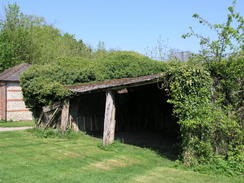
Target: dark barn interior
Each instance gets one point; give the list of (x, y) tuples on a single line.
[(143, 117)]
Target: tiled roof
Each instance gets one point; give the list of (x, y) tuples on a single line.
[(13, 74)]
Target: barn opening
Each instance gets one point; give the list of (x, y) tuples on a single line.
[(143, 117)]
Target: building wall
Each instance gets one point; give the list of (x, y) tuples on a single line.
[(2, 101), (87, 111), (16, 109)]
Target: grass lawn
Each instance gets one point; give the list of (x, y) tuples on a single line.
[(16, 124), (25, 158)]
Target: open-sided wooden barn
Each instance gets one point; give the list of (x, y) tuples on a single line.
[(118, 108), (12, 106)]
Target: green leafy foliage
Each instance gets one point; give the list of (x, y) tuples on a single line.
[(15, 39), (43, 85), (206, 130), (215, 133), (126, 64), (228, 76), (29, 39), (229, 36)]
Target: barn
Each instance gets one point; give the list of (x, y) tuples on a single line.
[(12, 106), (133, 110)]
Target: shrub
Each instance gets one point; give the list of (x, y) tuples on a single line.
[(207, 132), (228, 76)]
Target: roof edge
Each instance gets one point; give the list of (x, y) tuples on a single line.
[(115, 84), (10, 71)]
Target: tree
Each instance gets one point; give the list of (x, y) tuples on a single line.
[(28, 38), (50, 44), (160, 51), (230, 36), (15, 37)]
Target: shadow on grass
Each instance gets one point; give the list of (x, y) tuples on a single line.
[(165, 146)]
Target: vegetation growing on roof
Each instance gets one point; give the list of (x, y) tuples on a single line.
[(43, 85)]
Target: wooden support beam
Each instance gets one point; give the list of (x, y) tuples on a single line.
[(65, 116), (74, 125), (51, 119), (109, 119)]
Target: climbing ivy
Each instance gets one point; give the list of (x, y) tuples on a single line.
[(206, 130)]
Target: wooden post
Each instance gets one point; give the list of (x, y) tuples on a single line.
[(74, 125), (65, 116), (109, 119)]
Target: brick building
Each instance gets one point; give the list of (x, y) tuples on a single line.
[(12, 106)]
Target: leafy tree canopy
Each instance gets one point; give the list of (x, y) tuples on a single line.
[(29, 39)]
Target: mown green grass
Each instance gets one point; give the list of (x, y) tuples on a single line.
[(16, 123), (26, 158)]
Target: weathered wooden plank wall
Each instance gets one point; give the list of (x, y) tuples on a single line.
[(87, 112)]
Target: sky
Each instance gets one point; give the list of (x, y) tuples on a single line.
[(131, 25)]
